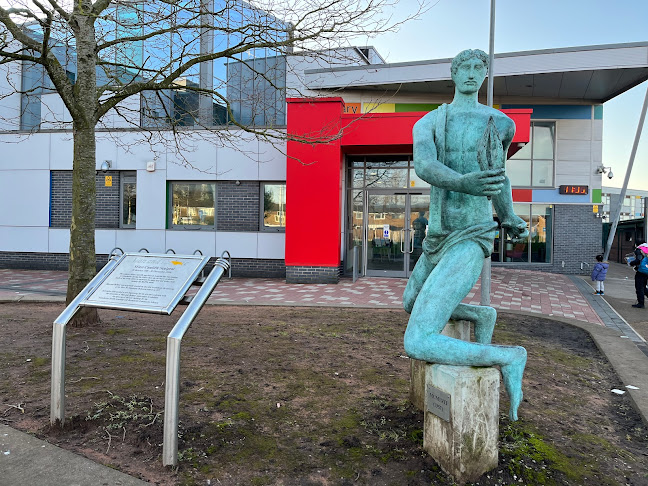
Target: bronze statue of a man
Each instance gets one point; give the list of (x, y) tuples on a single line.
[(449, 153)]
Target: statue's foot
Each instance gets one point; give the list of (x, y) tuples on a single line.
[(512, 377)]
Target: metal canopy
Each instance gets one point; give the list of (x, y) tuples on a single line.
[(589, 74)]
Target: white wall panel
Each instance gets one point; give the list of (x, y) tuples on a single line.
[(25, 198), (13, 238), (573, 150), (272, 161), (133, 152), (197, 162), (132, 241), (106, 240), (577, 179), (128, 117), (54, 114), (573, 168), (10, 106), (238, 162), (597, 152), (151, 200), (573, 129), (24, 152), (61, 151), (186, 242), (240, 245), (59, 240), (597, 129), (106, 149), (272, 245)]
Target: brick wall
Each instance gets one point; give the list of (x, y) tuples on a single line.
[(307, 274), (41, 261), (237, 207), (107, 215)]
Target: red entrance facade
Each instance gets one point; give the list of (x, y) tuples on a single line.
[(315, 168)]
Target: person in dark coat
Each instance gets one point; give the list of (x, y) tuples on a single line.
[(598, 274), (640, 278)]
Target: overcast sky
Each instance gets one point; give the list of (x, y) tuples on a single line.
[(453, 25)]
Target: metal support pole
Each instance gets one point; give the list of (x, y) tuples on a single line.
[(645, 211), (617, 212), (486, 269), (172, 383), (57, 396), (355, 263)]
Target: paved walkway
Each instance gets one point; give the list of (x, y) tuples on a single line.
[(517, 290), (26, 460)]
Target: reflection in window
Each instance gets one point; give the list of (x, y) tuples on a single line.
[(274, 206), (537, 247), (128, 200), (532, 164), (192, 204)]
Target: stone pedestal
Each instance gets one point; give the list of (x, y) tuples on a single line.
[(464, 441), (454, 329)]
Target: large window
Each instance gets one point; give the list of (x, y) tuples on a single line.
[(192, 205), (128, 200), (534, 249), (273, 212), (532, 165)]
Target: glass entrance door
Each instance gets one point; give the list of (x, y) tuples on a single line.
[(396, 224)]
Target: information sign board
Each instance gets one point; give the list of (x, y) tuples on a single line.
[(146, 282)]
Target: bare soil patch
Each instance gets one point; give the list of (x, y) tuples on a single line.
[(306, 396)]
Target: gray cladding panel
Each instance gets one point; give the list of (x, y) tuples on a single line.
[(519, 85), (574, 84), (600, 83), (547, 85)]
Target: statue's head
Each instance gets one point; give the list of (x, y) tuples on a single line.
[(469, 69)]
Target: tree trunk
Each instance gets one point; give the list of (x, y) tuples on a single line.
[(83, 266), (83, 262)]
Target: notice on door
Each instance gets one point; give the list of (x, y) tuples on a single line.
[(147, 282)]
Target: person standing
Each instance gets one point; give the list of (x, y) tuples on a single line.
[(598, 274), (640, 278)]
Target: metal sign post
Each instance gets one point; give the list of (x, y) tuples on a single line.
[(145, 283)]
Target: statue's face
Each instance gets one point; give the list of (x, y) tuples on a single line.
[(469, 76)]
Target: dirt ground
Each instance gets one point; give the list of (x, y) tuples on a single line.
[(306, 396)]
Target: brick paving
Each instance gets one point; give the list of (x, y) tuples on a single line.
[(517, 290)]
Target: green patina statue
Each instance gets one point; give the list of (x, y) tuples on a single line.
[(459, 149)]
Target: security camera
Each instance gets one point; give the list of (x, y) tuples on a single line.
[(610, 175)]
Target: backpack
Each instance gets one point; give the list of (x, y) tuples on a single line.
[(643, 266)]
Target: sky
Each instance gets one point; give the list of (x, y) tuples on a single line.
[(450, 26)]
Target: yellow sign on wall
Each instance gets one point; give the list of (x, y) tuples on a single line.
[(108, 181)]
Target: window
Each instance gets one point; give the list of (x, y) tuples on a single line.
[(537, 247), (273, 212), (532, 165), (128, 200), (192, 205)]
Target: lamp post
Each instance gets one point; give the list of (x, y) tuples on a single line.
[(486, 269)]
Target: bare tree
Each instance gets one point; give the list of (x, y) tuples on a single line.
[(164, 66)]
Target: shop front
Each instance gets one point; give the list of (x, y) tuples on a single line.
[(354, 185)]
